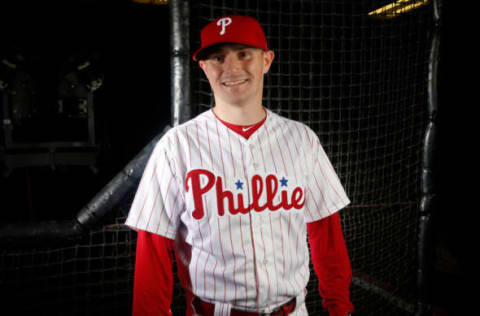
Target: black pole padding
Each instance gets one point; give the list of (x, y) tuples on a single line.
[(38, 233), (107, 198), (425, 253), (429, 181), (180, 60), (48, 232), (426, 247)]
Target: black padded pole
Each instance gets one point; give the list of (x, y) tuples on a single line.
[(180, 60), (99, 206), (429, 190), (104, 201)]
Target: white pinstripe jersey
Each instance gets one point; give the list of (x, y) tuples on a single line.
[(242, 205)]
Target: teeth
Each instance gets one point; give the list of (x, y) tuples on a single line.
[(232, 83)]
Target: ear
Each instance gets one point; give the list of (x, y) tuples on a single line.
[(203, 65), (268, 57)]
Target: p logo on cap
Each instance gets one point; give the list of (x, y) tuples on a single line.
[(236, 29), (224, 22)]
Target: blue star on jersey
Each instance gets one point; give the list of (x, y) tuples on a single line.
[(239, 185), (283, 183)]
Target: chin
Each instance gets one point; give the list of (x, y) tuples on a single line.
[(238, 98), (235, 102)]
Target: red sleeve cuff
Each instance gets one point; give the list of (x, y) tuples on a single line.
[(331, 264), (153, 278)]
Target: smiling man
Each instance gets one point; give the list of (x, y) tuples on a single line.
[(235, 192), (235, 73)]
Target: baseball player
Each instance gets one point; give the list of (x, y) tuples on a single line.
[(235, 194)]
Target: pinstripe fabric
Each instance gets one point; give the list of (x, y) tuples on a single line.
[(243, 203)]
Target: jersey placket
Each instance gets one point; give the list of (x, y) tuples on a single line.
[(257, 224)]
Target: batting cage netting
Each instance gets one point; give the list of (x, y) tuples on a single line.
[(360, 82), (356, 76)]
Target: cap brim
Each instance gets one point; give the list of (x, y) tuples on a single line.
[(203, 52), (196, 56)]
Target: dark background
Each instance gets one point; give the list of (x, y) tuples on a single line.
[(131, 42), (132, 106), (455, 223)]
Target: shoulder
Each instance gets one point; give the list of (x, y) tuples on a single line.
[(299, 129), (180, 133), (200, 119), (176, 143)]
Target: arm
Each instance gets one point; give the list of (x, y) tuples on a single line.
[(153, 280), (331, 264)]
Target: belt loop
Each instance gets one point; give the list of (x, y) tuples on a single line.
[(192, 304), (222, 309), (300, 299)]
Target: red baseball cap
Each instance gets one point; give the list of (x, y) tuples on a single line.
[(237, 29)]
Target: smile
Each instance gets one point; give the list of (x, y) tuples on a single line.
[(234, 83)]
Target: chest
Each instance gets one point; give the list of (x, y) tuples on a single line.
[(225, 175)]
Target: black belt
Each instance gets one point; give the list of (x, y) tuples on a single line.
[(207, 309)]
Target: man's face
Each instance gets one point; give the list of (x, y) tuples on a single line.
[(235, 73)]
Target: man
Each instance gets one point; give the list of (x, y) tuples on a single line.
[(235, 191)]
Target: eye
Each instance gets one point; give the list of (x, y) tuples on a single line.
[(217, 58)]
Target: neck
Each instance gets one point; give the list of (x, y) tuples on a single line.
[(240, 115)]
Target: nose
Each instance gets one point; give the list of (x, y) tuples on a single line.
[(232, 63)]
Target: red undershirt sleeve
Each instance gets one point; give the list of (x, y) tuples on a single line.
[(153, 279), (331, 264)]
